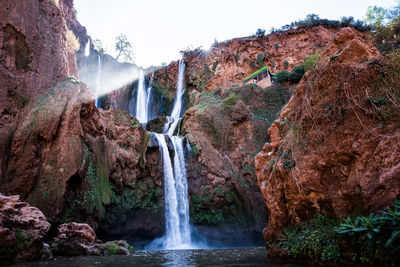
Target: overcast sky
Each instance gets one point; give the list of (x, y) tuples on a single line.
[(159, 29)]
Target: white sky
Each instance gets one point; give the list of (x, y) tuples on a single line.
[(159, 29)]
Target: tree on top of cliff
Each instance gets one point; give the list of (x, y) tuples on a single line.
[(98, 45), (375, 16), (260, 33), (124, 48), (313, 20)]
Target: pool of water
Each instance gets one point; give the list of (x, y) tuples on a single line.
[(202, 257)]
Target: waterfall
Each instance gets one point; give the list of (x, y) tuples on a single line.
[(176, 111), (173, 120), (87, 49), (141, 99), (178, 231), (98, 79)]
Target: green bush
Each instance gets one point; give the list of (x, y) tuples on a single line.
[(282, 76), (259, 60), (314, 239), (260, 33), (310, 61), (112, 248), (377, 237), (286, 64), (372, 239), (294, 76), (229, 102)]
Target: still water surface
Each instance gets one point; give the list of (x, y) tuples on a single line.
[(202, 257)]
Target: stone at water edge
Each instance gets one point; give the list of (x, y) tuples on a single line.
[(75, 239), (22, 228)]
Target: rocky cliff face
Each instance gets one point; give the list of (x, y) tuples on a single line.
[(76, 162), (228, 63), (225, 134), (332, 151), (35, 52)]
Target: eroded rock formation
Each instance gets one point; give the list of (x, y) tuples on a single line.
[(330, 151)]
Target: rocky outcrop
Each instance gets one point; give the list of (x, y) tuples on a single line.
[(75, 239), (228, 63), (22, 229), (76, 162), (331, 151)]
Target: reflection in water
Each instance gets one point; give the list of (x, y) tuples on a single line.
[(210, 257), (178, 258)]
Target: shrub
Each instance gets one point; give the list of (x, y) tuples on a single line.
[(260, 33), (310, 61), (297, 73), (276, 46), (286, 64), (214, 66), (282, 76), (376, 237), (112, 248), (229, 102), (372, 239), (314, 239), (294, 76), (313, 20), (260, 58)]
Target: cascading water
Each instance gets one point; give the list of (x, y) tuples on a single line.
[(98, 79), (141, 110), (173, 120), (178, 231), (141, 100)]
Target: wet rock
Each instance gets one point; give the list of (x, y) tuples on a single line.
[(156, 125), (76, 239)]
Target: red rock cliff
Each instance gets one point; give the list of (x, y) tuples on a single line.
[(228, 63), (34, 53), (329, 151)]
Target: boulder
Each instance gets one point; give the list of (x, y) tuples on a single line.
[(22, 229), (77, 239)]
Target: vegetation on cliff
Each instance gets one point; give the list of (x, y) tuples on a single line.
[(372, 239)]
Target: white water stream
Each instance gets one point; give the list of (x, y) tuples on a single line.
[(178, 231)]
